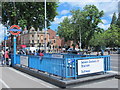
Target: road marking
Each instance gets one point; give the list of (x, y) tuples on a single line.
[(114, 67), (4, 83), (29, 77)]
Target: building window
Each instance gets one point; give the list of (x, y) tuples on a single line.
[(42, 37), (38, 41), (54, 41)]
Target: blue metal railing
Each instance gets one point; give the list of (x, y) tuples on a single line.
[(64, 67), (68, 55)]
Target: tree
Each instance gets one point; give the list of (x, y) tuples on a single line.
[(28, 13), (114, 19), (93, 18), (84, 22), (109, 38), (98, 40), (118, 20), (65, 30), (112, 36)]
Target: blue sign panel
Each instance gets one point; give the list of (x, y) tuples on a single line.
[(5, 38), (15, 30)]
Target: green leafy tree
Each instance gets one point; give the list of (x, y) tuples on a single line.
[(28, 13), (109, 38), (84, 22), (93, 18), (118, 20), (114, 19), (98, 40), (65, 30), (112, 36)]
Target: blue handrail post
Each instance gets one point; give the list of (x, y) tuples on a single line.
[(75, 70), (14, 59)]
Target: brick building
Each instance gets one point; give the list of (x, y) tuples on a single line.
[(33, 38)]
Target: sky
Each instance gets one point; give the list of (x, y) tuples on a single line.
[(64, 7), (108, 6)]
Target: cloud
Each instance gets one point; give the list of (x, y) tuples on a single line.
[(104, 21), (104, 26), (111, 15), (108, 6), (58, 20), (63, 12), (88, 0)]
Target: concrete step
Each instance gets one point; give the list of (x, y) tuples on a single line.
[(65, 82)]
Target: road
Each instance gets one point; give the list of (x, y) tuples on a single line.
[(115, 62), (11, 78)]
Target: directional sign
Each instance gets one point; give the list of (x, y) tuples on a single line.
[(6, 38), (15, 30)]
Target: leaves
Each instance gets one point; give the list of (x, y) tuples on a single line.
[(84, 22), (28, 13)]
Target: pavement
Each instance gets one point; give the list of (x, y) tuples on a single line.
[(12, 78)]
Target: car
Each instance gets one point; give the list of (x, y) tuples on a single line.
[(70, 49), (118, 51)]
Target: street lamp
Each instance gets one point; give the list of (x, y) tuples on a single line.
[(80, 44), (45, 28), (80, 37)]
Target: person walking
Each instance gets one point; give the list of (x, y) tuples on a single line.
[(102, 52), (3, 59), (108, 51), (41, 53), (7, 57)]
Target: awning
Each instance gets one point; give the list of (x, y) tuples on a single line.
[(23, 46)]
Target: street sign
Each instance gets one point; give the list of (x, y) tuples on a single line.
[(89, 66), (15, 30), (6, 38)]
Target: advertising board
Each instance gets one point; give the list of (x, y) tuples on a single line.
[(24, 60), (57, 56), (88, 66)]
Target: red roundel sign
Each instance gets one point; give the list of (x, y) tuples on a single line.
[(15, 30)]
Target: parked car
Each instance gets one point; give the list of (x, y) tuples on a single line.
[(70, 49), (118, 51)]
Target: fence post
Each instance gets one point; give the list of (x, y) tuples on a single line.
[(14, 55)]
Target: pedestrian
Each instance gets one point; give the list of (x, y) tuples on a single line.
[(3, 59), (7, 57), (97, 53), (108, 51), (41, 53), (30, 52), (102, 52), (34, 53)]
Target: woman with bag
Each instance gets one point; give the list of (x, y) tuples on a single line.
[(7, 57)]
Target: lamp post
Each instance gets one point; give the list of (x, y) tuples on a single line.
[(5, 41), (45, 28), (80, 37), (80, 44)]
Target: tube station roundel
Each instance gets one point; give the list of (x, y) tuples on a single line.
[(15, 30)]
